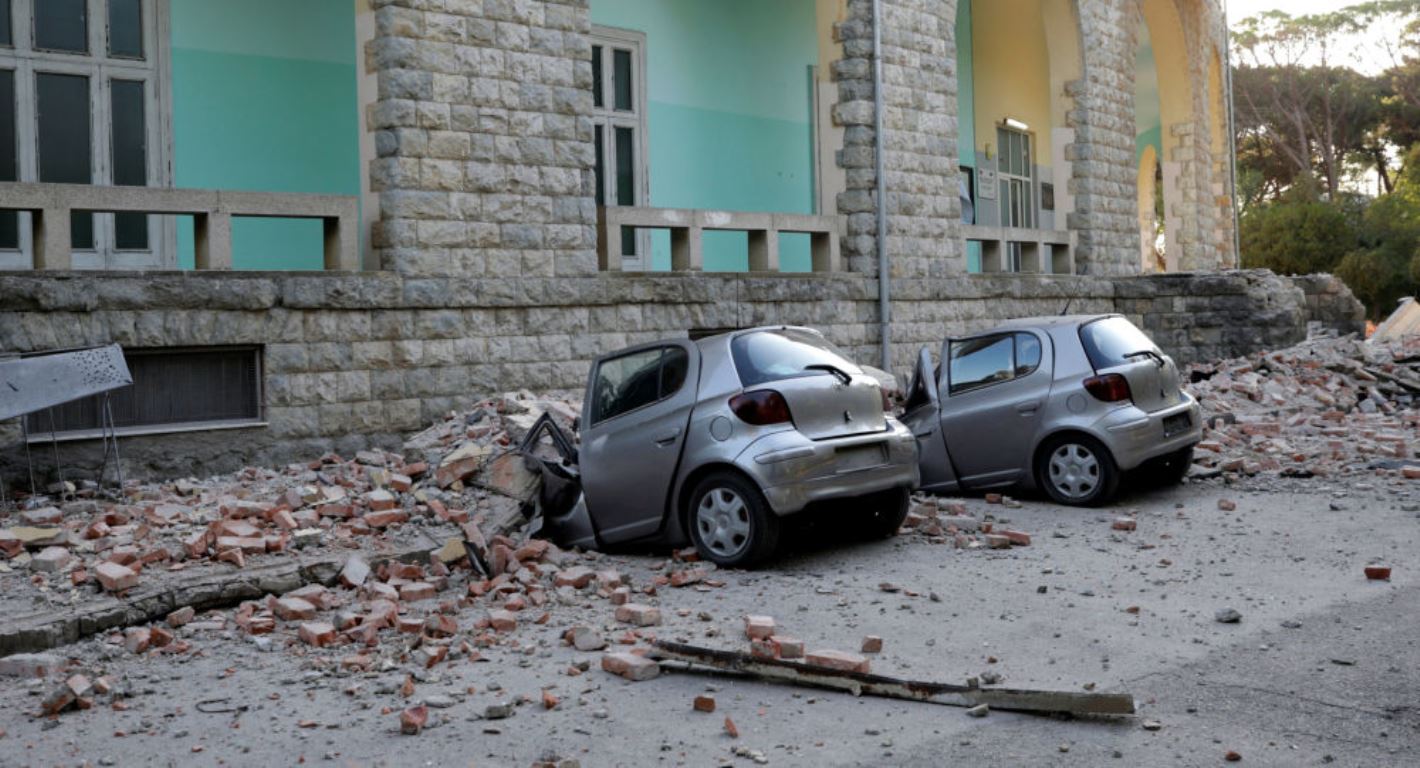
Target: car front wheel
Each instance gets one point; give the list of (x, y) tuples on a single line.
[(731, 524), (1077, 470)]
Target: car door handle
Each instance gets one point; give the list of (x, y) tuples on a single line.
[(668, 438), (1028, 408)]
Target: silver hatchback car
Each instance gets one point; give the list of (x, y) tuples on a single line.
[(714, 441), (1062, 404)]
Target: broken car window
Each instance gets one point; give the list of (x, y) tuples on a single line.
[(627, 383), (784, 354)]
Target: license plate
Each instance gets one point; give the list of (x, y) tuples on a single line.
[(1177, 423), (861, 457)]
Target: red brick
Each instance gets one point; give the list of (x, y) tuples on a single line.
[(575, 577), (419, 590), (181, 616), (293, 609), (355, 572), (1227, 505), (317, 633), (993, 498), (114, 577), (406, 571), (253, 545), (380, 500), (637, 614), (440, 626), (841, 660), (730, 728), (1410, 473), (1018, 538), (1378, 572), (159, 637), (630, 666), (137, 639), (704, 703), (409, 625), (763, 649), (759, 627), (787, 647), (996, 541), (502, 621), (284, 520), (412, 720), (386, 518), (1124, 524), (687, 577), (621, 596), (872, 644)]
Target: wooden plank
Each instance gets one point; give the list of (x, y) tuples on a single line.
[(861, 684)]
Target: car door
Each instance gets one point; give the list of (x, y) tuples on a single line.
[(636, 413), (994, 392), (922, 414)]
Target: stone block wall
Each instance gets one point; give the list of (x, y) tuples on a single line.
[(355, 360), (1330, 304)]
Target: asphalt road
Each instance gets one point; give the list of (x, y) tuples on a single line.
[(1322, 669)]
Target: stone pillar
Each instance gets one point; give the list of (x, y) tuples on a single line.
[(483, 137), (1104, 178), (920, 135)]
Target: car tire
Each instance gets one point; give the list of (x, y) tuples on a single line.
[(1076, 470), (1172, 468), (730, 522), (885, 513)]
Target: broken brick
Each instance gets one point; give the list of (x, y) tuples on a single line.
[(115, 578), (759, 627), (502, 621), (412, 720), (181, 616), (355, 572), (787, 647), (872, 644), (704, 703), (576, 577), (840, 660), (419, 590), (293, 609), (637, 614), (630, 666), (1124, 524), (316, 633)]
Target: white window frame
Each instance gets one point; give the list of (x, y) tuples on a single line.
[(101, 69), (607, 118), (1031, 214)]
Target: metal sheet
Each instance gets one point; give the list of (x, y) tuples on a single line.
[(29, 384)]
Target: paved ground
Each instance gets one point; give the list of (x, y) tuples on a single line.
[(1322, 669)]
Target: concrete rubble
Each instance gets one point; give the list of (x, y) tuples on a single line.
[(1325, 407)]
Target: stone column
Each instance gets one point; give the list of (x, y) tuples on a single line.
[(920, 135), (1104, 178), (483, 137)]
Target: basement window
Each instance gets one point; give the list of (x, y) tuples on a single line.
[(174, 390)]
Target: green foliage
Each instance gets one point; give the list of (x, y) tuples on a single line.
[(1386, 265), (1297, 235)]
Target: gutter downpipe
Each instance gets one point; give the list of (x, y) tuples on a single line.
[(884, 290), (1232, 143)]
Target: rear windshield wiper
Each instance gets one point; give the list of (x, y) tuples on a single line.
[(1149, 353), (839, 373)]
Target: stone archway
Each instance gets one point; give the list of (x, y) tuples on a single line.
[(1162, 37), (1149, 178)]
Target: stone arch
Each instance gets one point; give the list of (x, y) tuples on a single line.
[(1162, 30), (1220, 143)]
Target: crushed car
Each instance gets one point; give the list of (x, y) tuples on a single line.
[(715, 442), (1062, 404)]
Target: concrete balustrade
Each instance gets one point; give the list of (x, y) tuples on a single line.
[(1043, 251), (687, 227), (50, 206)]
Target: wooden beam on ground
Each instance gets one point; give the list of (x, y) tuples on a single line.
[(861, 684)]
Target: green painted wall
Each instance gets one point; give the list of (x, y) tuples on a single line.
[(966, 109), (1148, 120), (264, 98), (729, 112)]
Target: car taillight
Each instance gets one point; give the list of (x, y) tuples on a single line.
[(1111, 387), (761, 407)]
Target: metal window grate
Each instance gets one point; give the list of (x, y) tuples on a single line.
[(172, 388)]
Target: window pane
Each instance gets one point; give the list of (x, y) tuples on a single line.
[(130, 159), (674, 366), (601, 164), (62, 25), (622, 75), (65, 149), (626, 383), (125, 28), (979, 362), (596, 76), (9, 166), (7, 34), (625, 166), (1027, 353)]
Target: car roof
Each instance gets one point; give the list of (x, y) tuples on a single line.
[(726, 336)]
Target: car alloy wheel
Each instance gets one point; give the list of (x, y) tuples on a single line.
[(723, 522), (1074, 471)]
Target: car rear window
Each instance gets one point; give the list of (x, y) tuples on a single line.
[(765, 356), (1113, 341)]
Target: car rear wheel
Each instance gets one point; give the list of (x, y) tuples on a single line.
[(885, 513), (1077, 470), (731, 523)]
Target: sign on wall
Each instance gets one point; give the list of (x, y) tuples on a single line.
[(986, 183)]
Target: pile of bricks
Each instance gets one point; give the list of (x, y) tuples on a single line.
[(1328, 406), (943, 521)]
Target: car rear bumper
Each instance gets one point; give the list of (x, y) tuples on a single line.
[(794, 471), (1134, 437)]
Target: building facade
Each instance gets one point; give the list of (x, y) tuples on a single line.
[(339, 219)]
